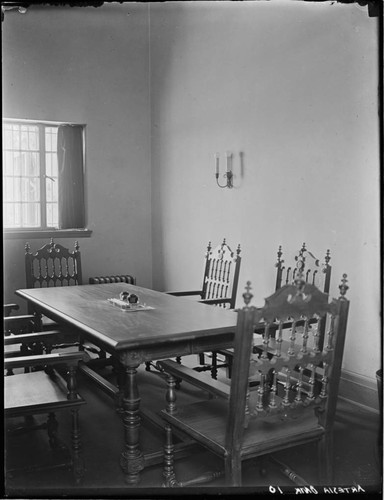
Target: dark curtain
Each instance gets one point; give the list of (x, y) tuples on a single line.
[(71, 176)]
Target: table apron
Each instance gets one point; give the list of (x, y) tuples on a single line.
[(134, 357)]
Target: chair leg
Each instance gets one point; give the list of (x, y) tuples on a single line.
[(214, 366), (52, 426), (170, 395), (169, 476), (78, 461), (229, 362), (325, 449), (233, 470)]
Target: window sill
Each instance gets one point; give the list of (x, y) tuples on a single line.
[(9, 234)]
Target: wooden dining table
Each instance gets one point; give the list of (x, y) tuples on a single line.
[(165, 326)]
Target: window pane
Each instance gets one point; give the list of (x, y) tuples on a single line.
[(24, 138), (49, 189), (17, 160), (7, 137), (30, 189), (31, 214), (8, 215), (30, 164), (16, 189), (48, 164), (51, 138), (17, 212), (8, 189), (52, 215), (8, 163), (15, 137), (48, 145), (51, 165), (55, 215), (33, 138), (55, 171)]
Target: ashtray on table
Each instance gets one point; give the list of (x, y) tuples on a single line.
[(128, 306)]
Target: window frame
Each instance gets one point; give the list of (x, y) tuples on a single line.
[(43, 230)]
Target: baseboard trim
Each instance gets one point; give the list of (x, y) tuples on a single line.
[(359, 390)]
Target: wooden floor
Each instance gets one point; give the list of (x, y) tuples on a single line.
[(357, 461)]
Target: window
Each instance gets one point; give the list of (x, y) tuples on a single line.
[(42, 182)]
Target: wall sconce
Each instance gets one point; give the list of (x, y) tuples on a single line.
[(228, 174)]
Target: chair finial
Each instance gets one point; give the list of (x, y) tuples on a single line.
[(77, 246), (247, 295), (27, 247), (327, 257), (280, 261), (343, 287), (300, 266)]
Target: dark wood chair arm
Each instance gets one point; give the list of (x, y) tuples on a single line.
[(8, 308), (185, 293), (214, 302), (16, 322), (50, 337), (71, 358), (201, 380)]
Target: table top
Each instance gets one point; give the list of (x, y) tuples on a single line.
[(172, 318)]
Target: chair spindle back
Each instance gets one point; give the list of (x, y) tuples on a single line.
[(221, 276), (287, 377), (52, 265)]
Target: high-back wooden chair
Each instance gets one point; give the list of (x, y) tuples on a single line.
[(282, 396), (221, 277), (219, 288), (43, 392), (52, 265)]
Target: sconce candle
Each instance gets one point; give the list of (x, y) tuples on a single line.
[(228, 154), (217, 156)]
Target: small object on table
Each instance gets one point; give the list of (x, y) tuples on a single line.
[(129, 297), (129, 302), (133, 299)]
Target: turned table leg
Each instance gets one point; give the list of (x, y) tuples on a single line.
[(119, 370), (132, 459)]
